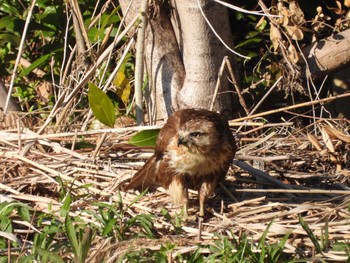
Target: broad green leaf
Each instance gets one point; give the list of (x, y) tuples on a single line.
[(101, 105), (10, 9), (6, 208), (145, 138), (35, 65), (111, 18), (94, 34), (5, 224), (123, 87)]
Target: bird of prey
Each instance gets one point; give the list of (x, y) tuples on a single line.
[(194, 151)]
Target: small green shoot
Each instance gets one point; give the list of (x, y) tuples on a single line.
[(176, 222), (115, 221), (310, 234), (80, 238)]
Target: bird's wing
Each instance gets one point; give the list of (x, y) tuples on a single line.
[(156, 171), (146, 176)]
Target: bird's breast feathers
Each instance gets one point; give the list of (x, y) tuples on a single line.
[(195, 161)]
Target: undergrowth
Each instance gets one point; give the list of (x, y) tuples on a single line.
[(31, 236)]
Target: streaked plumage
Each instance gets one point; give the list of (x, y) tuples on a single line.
[(194, 151)]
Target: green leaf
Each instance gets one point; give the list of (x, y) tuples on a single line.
[(145, 138), (7, 22), (23, 212), (10, 9), (37, 63), (277, 250), (101, 105), (66, 205), (109, 227), (248, 42), (166, 214), (6, 208), (123, 87), (5, 224), (73, 240), (311, 235), (86, 243)]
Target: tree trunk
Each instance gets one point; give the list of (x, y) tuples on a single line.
[(183, 68), (163, 62), (203, 53), (328, 55), (12, 106)]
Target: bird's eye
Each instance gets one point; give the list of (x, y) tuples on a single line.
[(195, 134)]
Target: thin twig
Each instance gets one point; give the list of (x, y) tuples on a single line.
[(13, 137), (296, 191), (265, 96), (218, 84), (242, 10), (300, 105), (19, 55), (237, 87)]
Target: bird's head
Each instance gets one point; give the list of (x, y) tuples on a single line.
[(198, 135)]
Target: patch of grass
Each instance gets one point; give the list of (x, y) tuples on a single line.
[(175, 221), (245, 250), (166, 253), (115, 222), (68, 237)]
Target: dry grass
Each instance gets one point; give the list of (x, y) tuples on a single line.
[(311, 168)]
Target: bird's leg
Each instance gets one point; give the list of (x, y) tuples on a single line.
[(202, 198), (178, 191), (206, 189), (186, 203)]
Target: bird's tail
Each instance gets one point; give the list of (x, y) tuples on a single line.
[(144, 178)]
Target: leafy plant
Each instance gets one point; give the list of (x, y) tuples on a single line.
[(271, 252), (310, 234), (80, 238), (6, 225), (176, 221), (45, 246), (243, 250), (116, 223), (162, 255)]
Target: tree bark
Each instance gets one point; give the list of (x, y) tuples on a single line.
[(163, 61), (328, 55), (12, 106), (203, 53), (183, 55)]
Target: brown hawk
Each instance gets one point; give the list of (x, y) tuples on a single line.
[(194, 150)]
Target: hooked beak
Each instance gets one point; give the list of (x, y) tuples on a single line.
[(181, 140)]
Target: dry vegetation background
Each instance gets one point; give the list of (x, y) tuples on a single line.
[(61, 169)]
